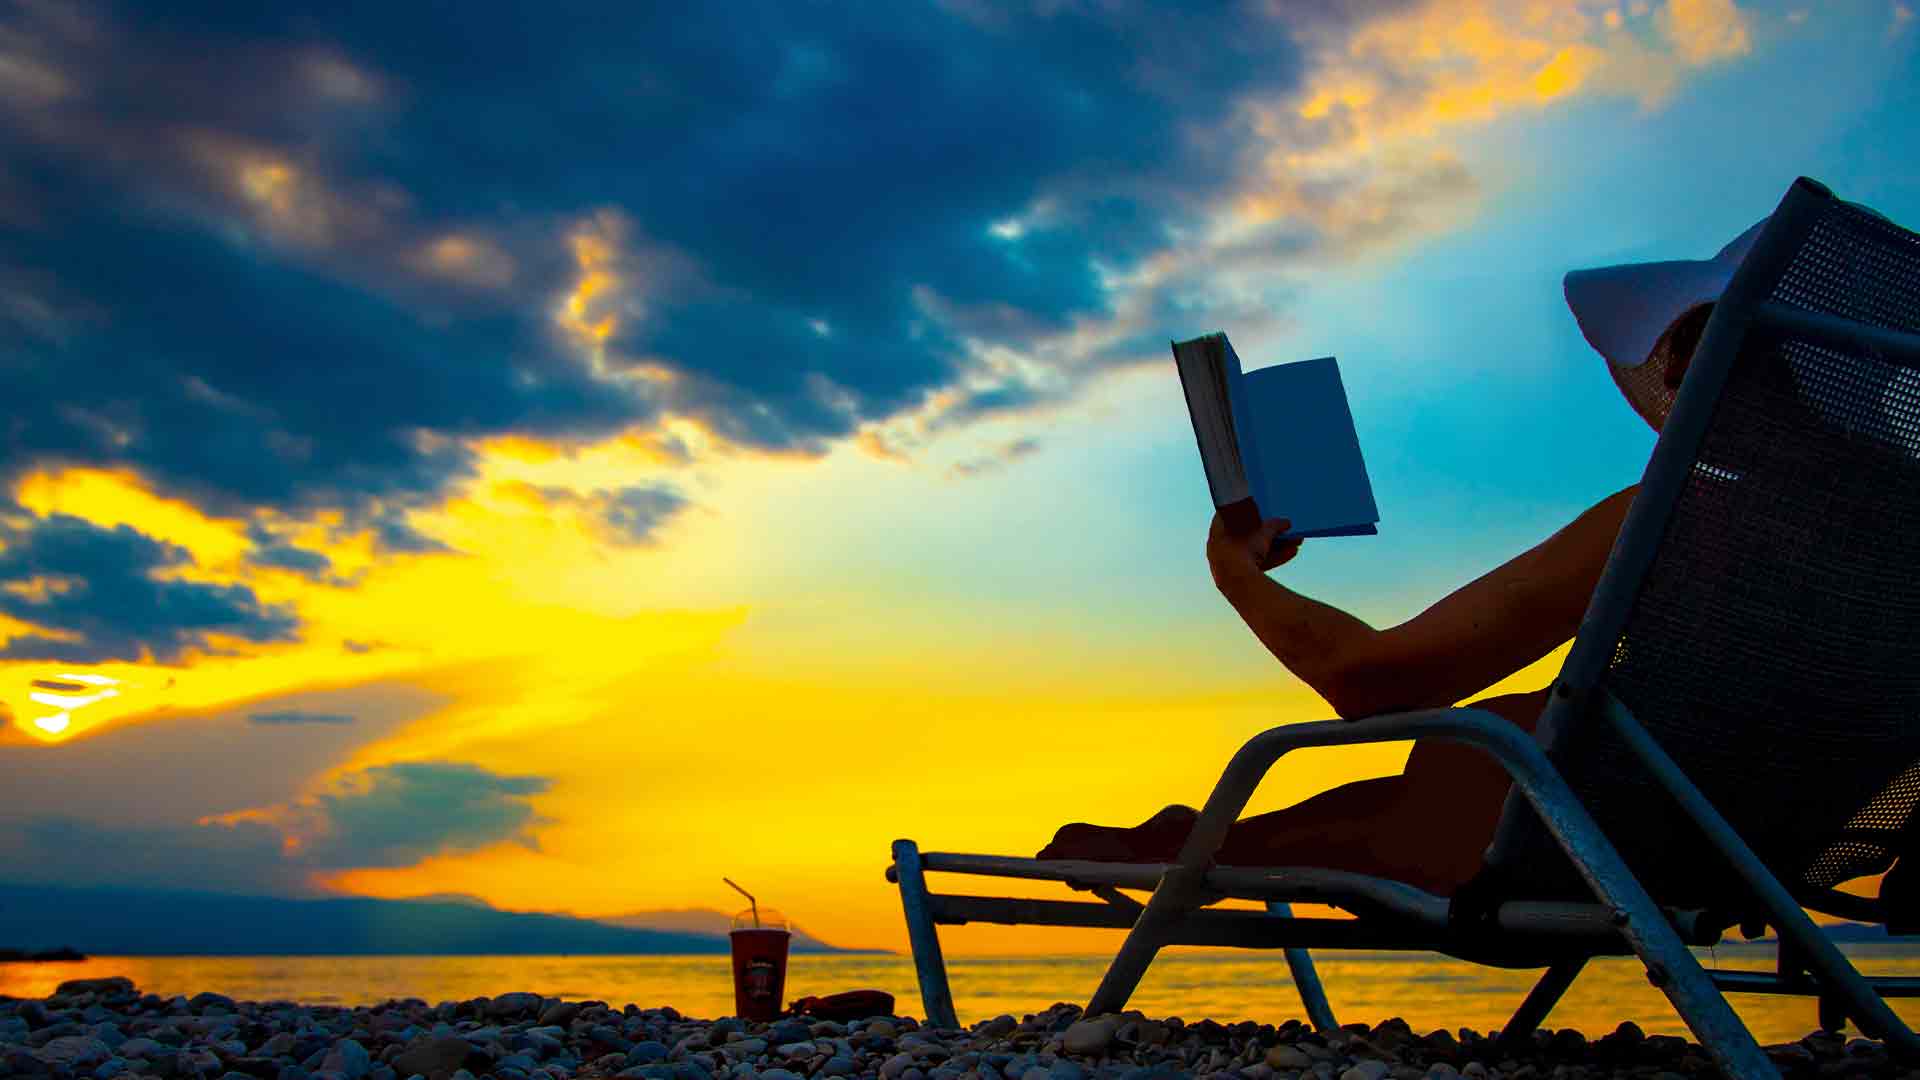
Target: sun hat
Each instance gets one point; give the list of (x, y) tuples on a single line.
[(1622, 310)]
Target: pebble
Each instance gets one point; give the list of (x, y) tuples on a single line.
[(105, 1029), (1288, 1057), (1090, 1036)]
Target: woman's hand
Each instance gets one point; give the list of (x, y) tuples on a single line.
[(1235, 559)]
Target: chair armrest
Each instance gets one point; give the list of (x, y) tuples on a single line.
[(1511, 746)]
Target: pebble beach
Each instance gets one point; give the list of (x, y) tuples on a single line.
[(107, 1029)]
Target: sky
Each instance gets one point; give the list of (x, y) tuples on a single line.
[(565, 456)]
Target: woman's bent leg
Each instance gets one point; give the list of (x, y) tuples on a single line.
[(1429, 826)]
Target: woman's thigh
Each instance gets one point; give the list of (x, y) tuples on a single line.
[(1427, 826), (1459, 789), (1449, 800)]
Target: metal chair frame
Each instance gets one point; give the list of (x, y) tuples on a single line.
[(1558, 936)]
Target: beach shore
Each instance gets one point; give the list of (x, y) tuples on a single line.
[(106, 1029)]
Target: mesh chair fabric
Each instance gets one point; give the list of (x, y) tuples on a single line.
[(1774, 646)]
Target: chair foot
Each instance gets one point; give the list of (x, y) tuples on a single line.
[(928, 964), (1306, 977), (1540, 1001)]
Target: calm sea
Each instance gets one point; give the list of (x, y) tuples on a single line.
[(1429, 992)]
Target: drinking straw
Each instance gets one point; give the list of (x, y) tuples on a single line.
[(751, 902)]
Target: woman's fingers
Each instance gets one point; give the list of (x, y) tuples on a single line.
[(1281, 554)]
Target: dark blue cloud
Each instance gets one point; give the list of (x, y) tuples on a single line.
[(397, 815), (297, 717), (99, 595), (798, 183), (630, 515), (273, 553), (247, 857), (386, 816)]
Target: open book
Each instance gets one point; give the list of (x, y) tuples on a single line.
[(1277, 442)]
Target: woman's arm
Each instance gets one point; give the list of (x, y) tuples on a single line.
[(1477, 635)]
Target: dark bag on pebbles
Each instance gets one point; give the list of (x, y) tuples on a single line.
[(852, 1005)]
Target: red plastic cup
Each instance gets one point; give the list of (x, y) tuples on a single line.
[(759, 967)]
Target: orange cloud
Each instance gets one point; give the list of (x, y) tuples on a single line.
[(1705, 31)]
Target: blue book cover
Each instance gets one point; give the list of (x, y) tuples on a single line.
[(1293, 435), (1302, 452)]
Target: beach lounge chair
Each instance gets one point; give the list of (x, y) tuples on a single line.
[(1735, 731)]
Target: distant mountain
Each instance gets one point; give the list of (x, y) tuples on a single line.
[(152, 922), (706, 921), (1850, 932)]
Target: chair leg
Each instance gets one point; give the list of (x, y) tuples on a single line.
[(1811, 949), (928, 964), (1306, 978), (1540, 1001), (1150, 931)]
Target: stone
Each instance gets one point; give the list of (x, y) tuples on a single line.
[(997, 1028), (111, 1068), (1367, 1070), (1066, 1070), (647, 1052), (196, 1063), (1442, 1071), (1090, 1036), (439, 1058), (140, 1047), (1473, 1070), (349, 1059), (723, 1031), (210, 1002), (112, 984), (515, 1003), (839, 1065), (789, 1031), (1288, 1057), (74, 1052), (878, 1029), (1791, 1055), (896, 1066), (560, 1013), (1148, 1033), (17, 1061)]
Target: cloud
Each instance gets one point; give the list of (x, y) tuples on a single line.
[(377, 251), (385, 816), (273, 553), (1705, 31), (637, 512), (96, 595), (998, 458), (57, 849), (398, 815), (781, 227), (289, 717)]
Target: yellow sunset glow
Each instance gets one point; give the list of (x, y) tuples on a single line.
[(744, 538)]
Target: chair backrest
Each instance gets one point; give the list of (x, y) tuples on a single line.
[(1760, 614)]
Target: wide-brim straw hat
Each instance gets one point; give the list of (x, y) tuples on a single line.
[(1623, 310)]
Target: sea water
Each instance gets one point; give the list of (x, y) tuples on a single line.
[(1428, 991)]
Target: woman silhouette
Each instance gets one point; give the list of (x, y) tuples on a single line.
[(1429, 825)]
